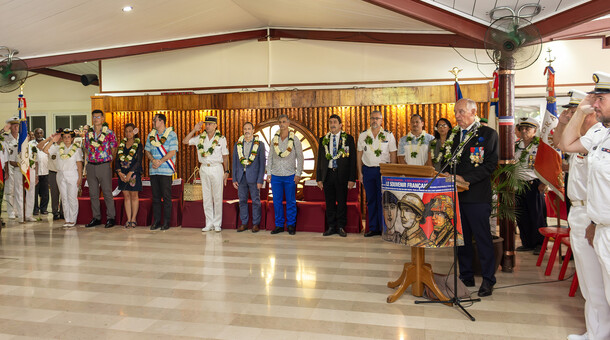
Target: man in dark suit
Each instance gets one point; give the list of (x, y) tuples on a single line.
[(248, 172), (476, 163), (336, 174)]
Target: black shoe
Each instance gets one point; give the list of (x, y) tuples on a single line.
[(537, 249), (486, 289), (165, 227), (44, 213), (55, 217), (109, 223), (155, 226), (35, 213), (277, 230), (342, 232), (371, 233), (292, 229), (329, 231), (468, 282), (91, 224), (524, 248)]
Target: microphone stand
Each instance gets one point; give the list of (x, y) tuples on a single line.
[(455, 300)]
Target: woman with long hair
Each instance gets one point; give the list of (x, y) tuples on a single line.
[(68, 157), (128, 165), (442, 128)]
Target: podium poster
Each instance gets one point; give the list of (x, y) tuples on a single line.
[(416, 217)]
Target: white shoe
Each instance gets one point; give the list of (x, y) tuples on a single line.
[(66, 224), (217, 229), (207, 229), (578, 337), (12, 216), (31, 219)]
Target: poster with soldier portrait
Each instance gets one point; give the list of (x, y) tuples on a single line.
[(419, 217)]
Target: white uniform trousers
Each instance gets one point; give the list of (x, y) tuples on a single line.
[(9, 188), (589, 269), (67, 181), (17, 194), (212, 188)]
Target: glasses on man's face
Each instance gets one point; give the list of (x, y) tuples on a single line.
[(376, 118), (97, 117)]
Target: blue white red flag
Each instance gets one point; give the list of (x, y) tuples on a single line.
[(23, 141), (548, 159), (458, 91)]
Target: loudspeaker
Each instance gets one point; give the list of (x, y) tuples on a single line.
[(87, 79)]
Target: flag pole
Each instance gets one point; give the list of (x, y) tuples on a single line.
[(23, 201)]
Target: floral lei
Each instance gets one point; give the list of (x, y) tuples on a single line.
[(33, 155), (253, 152), (130, 152), (341, 152), (289, 147), (526, 150), (420, 141), (71, 151), (207, 152), (93, 141), (369, 141), (445, 154), (153, 134)]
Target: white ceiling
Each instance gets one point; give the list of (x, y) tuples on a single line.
[(479, 9), (43, 27)]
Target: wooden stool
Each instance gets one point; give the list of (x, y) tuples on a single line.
[(558, 233)]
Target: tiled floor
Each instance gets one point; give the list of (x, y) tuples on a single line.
[(137, 284)]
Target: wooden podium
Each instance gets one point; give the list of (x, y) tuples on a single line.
[(416, 273)]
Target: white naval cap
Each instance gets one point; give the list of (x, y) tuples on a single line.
[(528, 121), (575, 98), (13, 120), (602, 83)]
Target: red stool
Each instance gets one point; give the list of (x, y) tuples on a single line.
[(564, 267), (558, 233)]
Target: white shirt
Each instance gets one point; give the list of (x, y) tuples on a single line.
[(527, 166), (66, 164), (597, 142), (219, 151), (11, 145), (43, 163), (337, 137), (577, 182), (3, 155), (405, 148), (368, 151)]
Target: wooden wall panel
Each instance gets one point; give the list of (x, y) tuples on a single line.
[(297, 99)]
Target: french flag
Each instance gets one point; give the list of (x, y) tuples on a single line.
[(548, 160), (22, 147)]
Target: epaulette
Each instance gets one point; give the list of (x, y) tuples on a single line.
[(387, 131)]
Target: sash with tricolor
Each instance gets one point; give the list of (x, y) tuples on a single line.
[(494, 100), (547, 165), (23, 142), (163, 152)]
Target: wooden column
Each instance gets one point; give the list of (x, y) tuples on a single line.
[(506, 98)]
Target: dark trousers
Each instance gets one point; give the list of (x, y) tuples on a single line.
[(100, 175), (531, 215), (55, 208), (335, 193), (242, 191), (41, 192), (161, 188), (371, 179), (475, 223)]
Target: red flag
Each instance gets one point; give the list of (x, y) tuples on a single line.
[(547, 165)]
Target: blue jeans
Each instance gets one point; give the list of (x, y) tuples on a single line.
[(371, 178), (284, 185), (242, 191)]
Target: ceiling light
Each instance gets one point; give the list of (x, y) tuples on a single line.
[(127, 9)]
